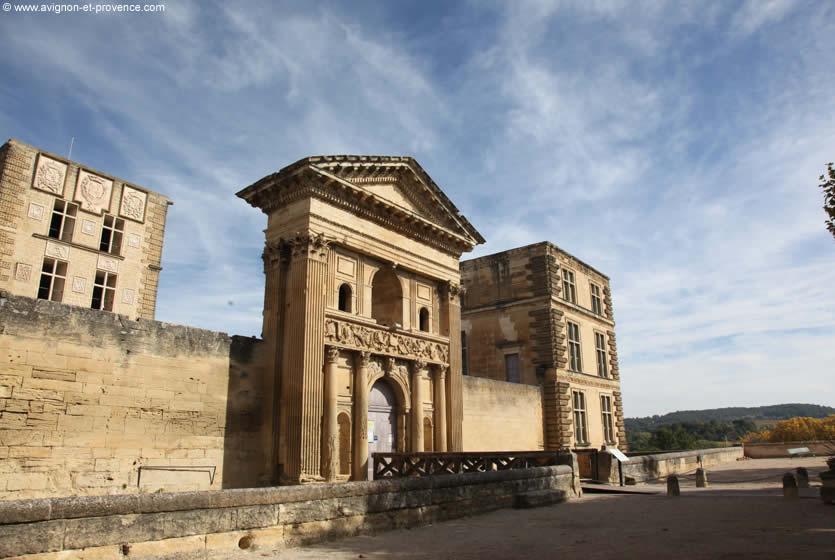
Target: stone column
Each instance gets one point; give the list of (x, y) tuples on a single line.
[(417, 406), (439, 399), (303, 357), (359, 466), (455, 383), (275, 257), (330, 435)]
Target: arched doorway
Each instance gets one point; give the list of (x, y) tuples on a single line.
[(382, 422), (387, 298)]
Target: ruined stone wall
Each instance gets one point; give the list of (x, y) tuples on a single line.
[(93, 403), (500, 416), (657, 466)]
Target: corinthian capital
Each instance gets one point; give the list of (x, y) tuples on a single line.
[(331, 354), (310, 245)]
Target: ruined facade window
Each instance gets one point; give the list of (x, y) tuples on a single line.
[(608, 422), (62, 223), (424, 319), (465, 357), (581, 427), (111, 235), (569, 290), (53, 277), (387, 298), (575, 362), (596, 301), (511, 366), (345, 296), (104, 291), (600, 348)]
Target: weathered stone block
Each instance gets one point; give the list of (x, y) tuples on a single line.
[(31, 538)]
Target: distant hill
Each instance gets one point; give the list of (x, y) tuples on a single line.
[(756, 414)]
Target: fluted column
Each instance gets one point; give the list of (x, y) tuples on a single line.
[(275, 257), (417, 406), (439, 399), (359, 466), (455, 382), (302, 383), (330, 427)]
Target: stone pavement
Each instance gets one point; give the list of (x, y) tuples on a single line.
[(738, 520)]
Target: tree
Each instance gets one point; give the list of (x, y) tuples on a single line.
[(828, 185)]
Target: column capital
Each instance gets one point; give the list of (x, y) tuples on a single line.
[(363, 359), (331, 354), (441, 371), (274, 252), (418, 366), (452, 290), (310, 245)]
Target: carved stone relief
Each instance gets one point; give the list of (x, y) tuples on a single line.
[(36, 211), (79, 285), (384, 342), (108, 264), (128, 296), (58, 251), (50, 175), (134, 240), (88, 227), (93, 192), (133, 204), (23, 272)]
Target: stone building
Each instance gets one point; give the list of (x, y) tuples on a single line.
[(537, 315), (71, 234), (362, 282)]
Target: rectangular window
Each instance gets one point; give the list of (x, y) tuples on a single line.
[(511, 366), (104, 291), (600, 348), (111, 235), (596, 301), (569, 292), (465, 361), (53, 277), (575, 363), (608, 421), (62, 223), (581, 428)]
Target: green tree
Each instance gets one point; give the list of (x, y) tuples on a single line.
[(828, 185)]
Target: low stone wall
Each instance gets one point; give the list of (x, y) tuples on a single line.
[(646, 468), (781, 450), (499, 416), (207, 523)]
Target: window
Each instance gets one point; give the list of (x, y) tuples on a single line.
[(111, 235), (569, 292), (63, 220), (608, 421), (575, 362), (345, 296), (465, 361), (600, 347), (53, 276), (511, 366), (581, 428), (596, 302), (424, 319), (104, 291)]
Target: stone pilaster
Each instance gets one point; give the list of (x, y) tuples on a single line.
[(417, 406), (557, 404), (614, 371), (455, 383), (330, 435), (359, 466), (439, 402), (620, 424), (302, 380)]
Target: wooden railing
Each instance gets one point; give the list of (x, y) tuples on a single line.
[(399, 465)]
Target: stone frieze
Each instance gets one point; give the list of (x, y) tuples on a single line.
[(381, 341)]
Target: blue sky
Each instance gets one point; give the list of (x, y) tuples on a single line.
[(676, 146)]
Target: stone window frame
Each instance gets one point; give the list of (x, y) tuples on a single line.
[(506, 354), (596, 298), (580, 415), (345, 304), (105, 289), (600, 345), (57, 275), (569, 285), (465, 354), (575, 351), (607, 416), (115, 231), (65, 217), (424, 319)]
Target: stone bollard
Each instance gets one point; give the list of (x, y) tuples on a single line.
[(673, 488), (802, 477), (701, 478), (789, 486)]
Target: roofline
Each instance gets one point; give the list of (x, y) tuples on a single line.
[(87, 168), (548, 244)]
